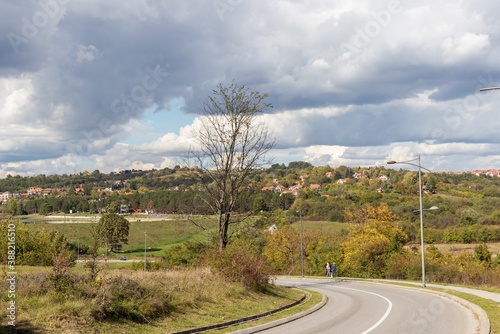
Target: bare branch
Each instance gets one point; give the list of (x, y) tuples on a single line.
[(232, 142)]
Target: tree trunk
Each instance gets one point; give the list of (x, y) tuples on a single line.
[(224, 219)]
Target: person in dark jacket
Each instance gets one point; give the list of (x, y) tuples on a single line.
[(333, 270)]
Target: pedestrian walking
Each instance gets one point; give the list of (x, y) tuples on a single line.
[(333, 270), (327, 267)]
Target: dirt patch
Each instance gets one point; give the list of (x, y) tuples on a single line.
[(456, 249)]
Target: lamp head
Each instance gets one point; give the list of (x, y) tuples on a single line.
[(485, 89), (391, 162)]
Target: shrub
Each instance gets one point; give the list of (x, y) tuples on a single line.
[(123, 298), (186, 254), (406, 265), (240, 264)]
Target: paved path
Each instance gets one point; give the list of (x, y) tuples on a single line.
[(476, 292)]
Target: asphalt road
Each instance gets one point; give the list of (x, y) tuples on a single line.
[(359, 307)]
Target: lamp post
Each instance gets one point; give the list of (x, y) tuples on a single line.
[(485, 89), (301, 244), (145, 250), (421, 210)]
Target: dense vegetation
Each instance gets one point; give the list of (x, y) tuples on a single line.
[(469, 205)]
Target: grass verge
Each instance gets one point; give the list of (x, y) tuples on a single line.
[(124, 301), (312, 299)]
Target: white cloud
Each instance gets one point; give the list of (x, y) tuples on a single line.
[(16, 95), (326, 155), (463, 47)]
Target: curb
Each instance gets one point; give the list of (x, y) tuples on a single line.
[(258, 316), (279, 322), (482, 317)]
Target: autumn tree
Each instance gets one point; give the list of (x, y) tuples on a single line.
[(231, 142), (283, 250), (373, 239)]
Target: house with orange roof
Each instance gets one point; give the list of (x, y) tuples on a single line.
[(34, 191), (315, 186), (279, 188), (80, 190), (293, 192)]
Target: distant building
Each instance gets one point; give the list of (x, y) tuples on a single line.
[(124, 208), (343, 181), (5, 196), (315, 186), (80, 190), (279, 188), (34, 191), (357, 176)]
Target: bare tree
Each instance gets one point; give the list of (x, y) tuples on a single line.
[(232, 141)]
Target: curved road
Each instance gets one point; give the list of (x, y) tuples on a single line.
[(359, 307)]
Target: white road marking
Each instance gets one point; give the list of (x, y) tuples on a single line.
[(386, 314)]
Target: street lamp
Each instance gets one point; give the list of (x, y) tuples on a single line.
[(145, 250), (485, 89), (301, 243), (421, 210)]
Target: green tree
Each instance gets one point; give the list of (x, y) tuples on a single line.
[(12, 206), (115, 230), (45, 209), (232, 143), (299, 165), (96, 231), (482, 253), (34, 246)]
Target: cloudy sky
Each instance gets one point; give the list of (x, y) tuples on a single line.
[(115, 84)]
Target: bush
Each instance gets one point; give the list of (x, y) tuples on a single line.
[(187, 254), (123, 298), (406, 265), (150, 265), (240, 264)]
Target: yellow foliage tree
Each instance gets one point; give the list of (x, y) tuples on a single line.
[(282, 250), (371, 242)]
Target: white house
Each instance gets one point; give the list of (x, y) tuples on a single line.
[(5, 196)]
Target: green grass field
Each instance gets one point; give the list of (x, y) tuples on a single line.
[(157, 235)]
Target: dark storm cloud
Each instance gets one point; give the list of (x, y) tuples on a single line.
[(76, 74)]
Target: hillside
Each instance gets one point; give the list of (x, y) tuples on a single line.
[(469, 203)]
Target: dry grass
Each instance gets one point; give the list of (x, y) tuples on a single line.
[(153, 302), (457, 249)]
